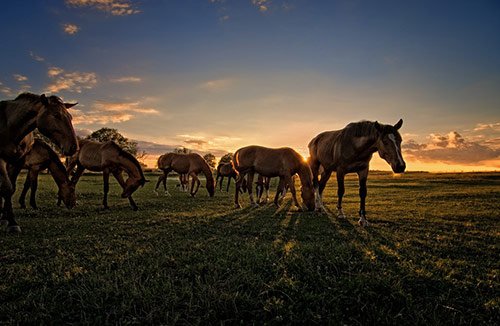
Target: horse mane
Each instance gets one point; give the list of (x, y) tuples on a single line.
[(53, 157), (360, 129), (132, 158), (33, 98)]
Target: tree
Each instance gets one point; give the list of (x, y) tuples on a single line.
[(107, 134), (210, 158), (226, 158)]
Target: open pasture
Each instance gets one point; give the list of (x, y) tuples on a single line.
[(430, 256)]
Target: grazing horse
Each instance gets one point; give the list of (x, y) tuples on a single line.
[(40, 157), (273, 162), (350, 150), (108, 158), (18, 118), (191, 164), (225, 170)]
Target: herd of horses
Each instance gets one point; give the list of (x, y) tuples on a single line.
[(348, 150)]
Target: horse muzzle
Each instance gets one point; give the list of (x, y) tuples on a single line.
[(399, 168)]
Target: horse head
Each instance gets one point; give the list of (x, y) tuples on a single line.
[(131, 185), (67, 194), (54, 121), (389, 145)]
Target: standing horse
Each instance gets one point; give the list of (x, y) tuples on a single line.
[(18, 118), (191, 164), (350, 150), (273, 162), (225, 170), (108, 158), (40, 157)]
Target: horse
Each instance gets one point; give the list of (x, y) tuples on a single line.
[(262, 184), (108, 158), (273, 162), (18, 118), (350, 150), (183, 184), (225, 170), (191, 164), (40, 157)]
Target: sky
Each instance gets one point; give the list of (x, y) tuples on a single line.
[(217, 75)]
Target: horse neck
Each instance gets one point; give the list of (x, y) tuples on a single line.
[(207, 172), (21, 120), (58, 171), (305, 175), (131, 168)]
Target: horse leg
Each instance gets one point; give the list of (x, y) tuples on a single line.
[(26, 187), (259, 188), (340, 193), (118, 176), (289, 182), (160, 179), (277, 197), (6, 191), (249, 188), (33, 175), (240, 181), (314, 164), (362, 176), (325, 176), (267, 182), (105, 178), (193, 181), (228, 183)]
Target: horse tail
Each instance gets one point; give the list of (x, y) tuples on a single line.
[(209, 176)]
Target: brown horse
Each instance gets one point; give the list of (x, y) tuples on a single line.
[(40, 157), (191, 164), (18, 118), (225, 170), (273, 162), (350, 150), (108, 158)]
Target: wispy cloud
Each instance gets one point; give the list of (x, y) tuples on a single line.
[(70, 29), (126, 79), (36, 57), (20, 78), (70, 81), (452, 148), (7, 91), (487, 126), (103, 112), (113, 7), (217, 85), (262, 5)]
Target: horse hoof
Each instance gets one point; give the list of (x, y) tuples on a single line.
[(255, 205), (237, 206), (363, 222), (135, 209), (4, 222), (14, 229)]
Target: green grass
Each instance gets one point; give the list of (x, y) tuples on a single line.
[(430, 256)]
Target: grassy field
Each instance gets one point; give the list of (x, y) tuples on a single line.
[(430, 256)]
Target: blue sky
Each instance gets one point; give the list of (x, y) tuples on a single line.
[(215, 75)]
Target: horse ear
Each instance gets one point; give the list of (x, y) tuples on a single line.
[(378, 126), (70, 105), (399, 124), (44, 100)]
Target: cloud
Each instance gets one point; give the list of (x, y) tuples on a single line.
[(20, 78), (70, 81), (70, 29), (54, 71), (103, 112), (198, 142), (113, 7), (36, 57), (217, 85), (126, 79), (487, 126), (452, 148), (262, 5)]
